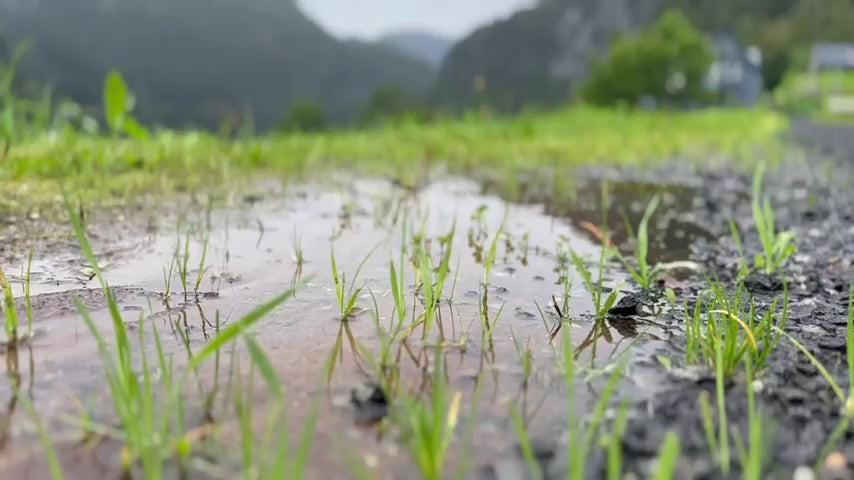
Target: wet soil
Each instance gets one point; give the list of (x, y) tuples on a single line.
[(251, 257)]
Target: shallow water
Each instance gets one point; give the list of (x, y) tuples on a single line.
[(250, 258)]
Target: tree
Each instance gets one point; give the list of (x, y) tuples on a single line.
[(823, 20), (775, 39), (386, 102), (668, 62), (305, 116)]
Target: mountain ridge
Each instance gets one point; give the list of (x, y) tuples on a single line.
[(420, 44), (199, 63)]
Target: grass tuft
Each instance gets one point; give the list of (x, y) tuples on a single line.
[(151, 424), (10, 311), (601, 303), (645, 274), (736, 326), (347, 294), (777, 247), (428, 424)]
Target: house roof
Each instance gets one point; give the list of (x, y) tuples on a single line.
[(832, 55), (727, 45)]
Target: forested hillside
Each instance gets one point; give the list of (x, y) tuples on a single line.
[(204, 62), (540, 56)]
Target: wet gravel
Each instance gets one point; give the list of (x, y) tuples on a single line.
[(813, 197)]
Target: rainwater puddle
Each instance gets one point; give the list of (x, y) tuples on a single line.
[(674, 228), (252, 255)]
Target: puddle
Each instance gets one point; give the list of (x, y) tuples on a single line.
[(674, 226), (250, 257)]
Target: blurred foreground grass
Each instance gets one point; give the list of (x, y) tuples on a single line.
[(120, 169)]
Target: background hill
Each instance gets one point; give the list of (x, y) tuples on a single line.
[(537, 55), (204, 62), (424, 46)]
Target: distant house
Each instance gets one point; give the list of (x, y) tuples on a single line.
[(736, 73), (831, 56)]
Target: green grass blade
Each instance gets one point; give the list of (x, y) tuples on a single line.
[(602, 406), (753, 466), (236, 329), (736, 237), (262, 362), (465, 458), (723, 426), (667, 457), (52, 458), (10, 324), (304, 447), (201, 273), (643, 242), (615, 447), (27, 293), (534, 471), (339, 288)]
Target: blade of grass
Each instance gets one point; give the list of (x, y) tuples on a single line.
[(534, 470), (27, 296), (237, 328), (667, 457), (615, 447), (52, 458)]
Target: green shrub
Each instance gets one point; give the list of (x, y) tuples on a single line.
[(391, 103), (305, 116), (668, 63)]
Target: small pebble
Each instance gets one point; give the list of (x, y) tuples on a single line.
[(803, 473), (836, 461), (808, 302)]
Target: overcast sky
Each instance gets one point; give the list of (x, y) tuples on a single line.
[(368, 19)]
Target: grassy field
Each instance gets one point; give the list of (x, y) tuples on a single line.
[(168, 161), (808, 94)]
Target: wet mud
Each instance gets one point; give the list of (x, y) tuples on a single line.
[(252, 253)]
